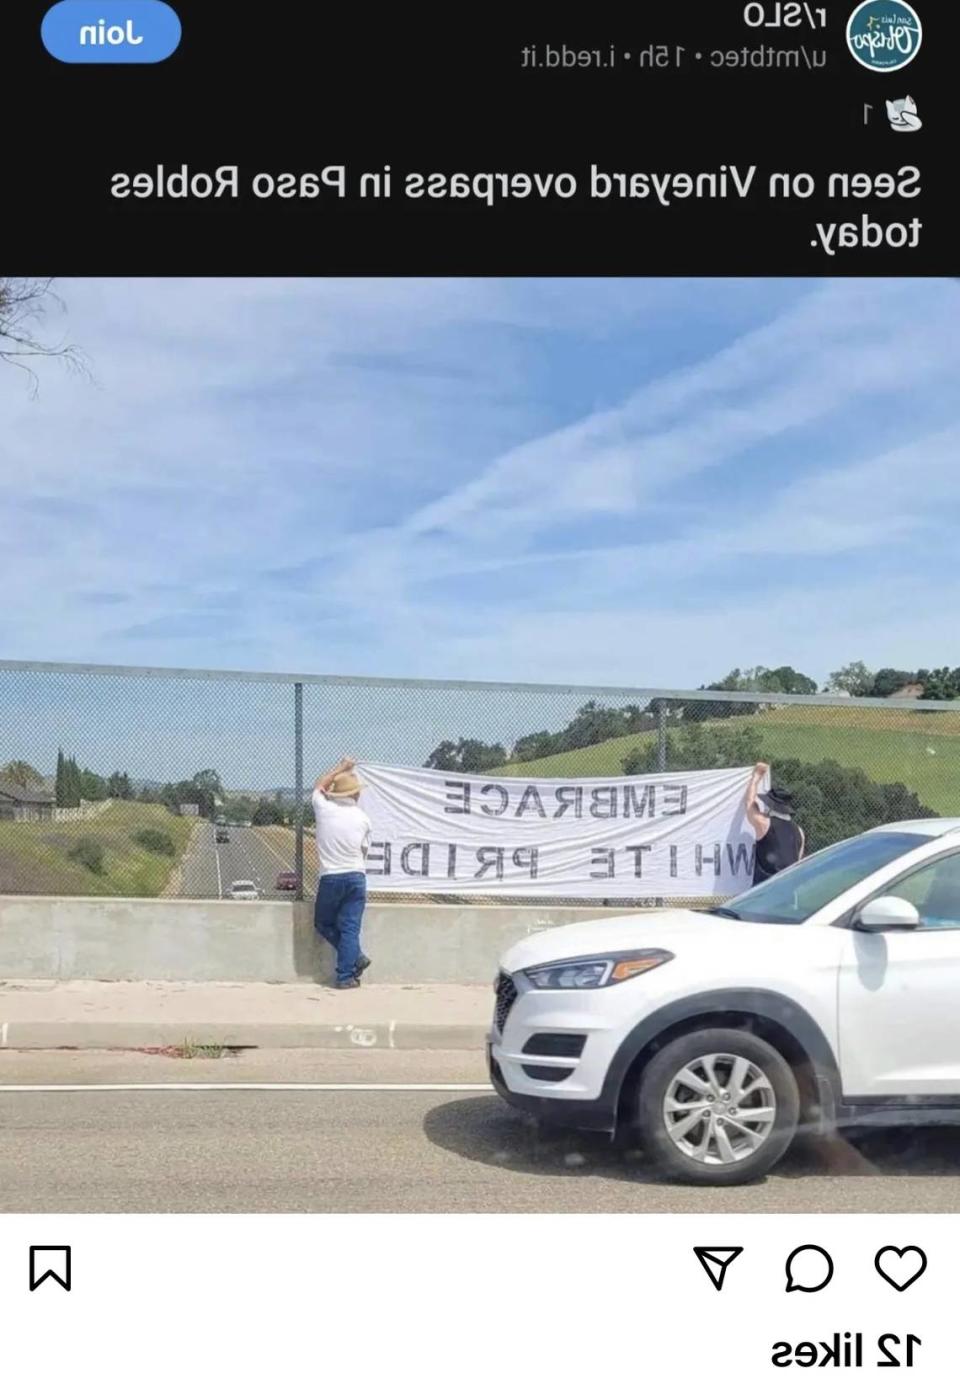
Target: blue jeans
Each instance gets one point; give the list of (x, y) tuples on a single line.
[(337, 916)]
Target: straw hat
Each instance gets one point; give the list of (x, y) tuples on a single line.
[(345, 785)]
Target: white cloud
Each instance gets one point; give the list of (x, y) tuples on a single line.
[(405, 450), (839, 344)]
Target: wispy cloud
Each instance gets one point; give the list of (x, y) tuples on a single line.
[(580, 480)]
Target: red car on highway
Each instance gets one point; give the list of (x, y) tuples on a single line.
[(286, 879)]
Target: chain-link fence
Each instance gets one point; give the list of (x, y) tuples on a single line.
[(147, 782)]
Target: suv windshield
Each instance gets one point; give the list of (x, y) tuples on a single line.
[(798, 893)]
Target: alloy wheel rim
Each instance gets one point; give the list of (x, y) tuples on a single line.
[(719, 1109)]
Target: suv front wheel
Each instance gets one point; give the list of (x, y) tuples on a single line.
[(717, 1107)]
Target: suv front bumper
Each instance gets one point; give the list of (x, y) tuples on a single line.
[(599, 1114), (550, 1053)]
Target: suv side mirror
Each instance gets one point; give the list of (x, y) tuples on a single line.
[(887, 912)]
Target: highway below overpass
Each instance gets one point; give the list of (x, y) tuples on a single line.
[(257, 853), (362, 1131)]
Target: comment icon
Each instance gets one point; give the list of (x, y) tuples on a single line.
[(809, 1268)]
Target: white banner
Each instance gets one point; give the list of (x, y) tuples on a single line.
[(676, 835)]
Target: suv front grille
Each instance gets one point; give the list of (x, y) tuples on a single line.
[(506, 995)]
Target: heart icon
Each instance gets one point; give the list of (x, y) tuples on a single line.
[(900, 1267)]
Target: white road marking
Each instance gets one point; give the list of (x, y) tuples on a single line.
[(255, 1086), (393, 1026), (287, 865), (219, 880), (4, 1029)]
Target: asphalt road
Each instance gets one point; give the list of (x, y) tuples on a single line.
[(369, 1149), (209, 869)]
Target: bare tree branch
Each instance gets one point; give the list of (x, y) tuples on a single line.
[(24, 306)]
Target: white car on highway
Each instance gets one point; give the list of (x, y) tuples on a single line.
[(826, 997), (243, 889)]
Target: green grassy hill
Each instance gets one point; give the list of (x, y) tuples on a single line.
[(919, 749), (35, 856)]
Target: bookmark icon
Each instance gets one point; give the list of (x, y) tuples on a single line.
[(50, 1262)]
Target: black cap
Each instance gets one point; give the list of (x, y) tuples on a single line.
[(778, 800)]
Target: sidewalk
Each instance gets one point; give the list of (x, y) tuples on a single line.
[(147, 1014)]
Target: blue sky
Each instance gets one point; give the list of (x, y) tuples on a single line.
[(639, 482)]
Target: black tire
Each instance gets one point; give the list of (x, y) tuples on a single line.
[(664, 1153)]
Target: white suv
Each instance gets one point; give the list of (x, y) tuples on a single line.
[(828, 996), (244, 889)]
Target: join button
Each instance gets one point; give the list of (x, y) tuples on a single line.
[(112, 31)]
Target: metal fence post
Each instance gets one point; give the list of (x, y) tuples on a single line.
[(661, 736), (661, 752), (298, 780)]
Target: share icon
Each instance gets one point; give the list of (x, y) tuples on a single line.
[(716, 1259)]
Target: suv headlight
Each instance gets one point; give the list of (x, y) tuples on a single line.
[(596, 972)]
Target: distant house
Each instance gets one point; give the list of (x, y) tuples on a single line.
[(189, 809), (25, 804)]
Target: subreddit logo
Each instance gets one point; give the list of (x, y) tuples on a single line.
[(884, 35)]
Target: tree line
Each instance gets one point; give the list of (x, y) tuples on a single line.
[(857, 680), (832, 802), (594, 723), (73, 785), (204, 789)]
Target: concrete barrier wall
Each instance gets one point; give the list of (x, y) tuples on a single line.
[(44, 938)]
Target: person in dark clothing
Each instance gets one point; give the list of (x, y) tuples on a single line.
[(780, 842)]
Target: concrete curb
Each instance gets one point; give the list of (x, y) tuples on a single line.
[(444, 1037)]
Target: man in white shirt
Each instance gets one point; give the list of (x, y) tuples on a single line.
[(343, 838)]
